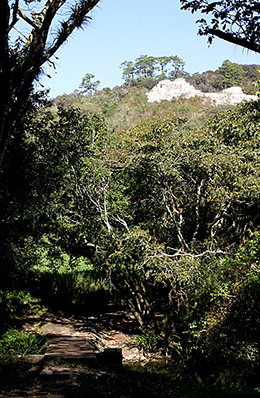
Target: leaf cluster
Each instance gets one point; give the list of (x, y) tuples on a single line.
[(235, 21)]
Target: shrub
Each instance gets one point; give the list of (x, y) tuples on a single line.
[(15, 342), (150, 342)]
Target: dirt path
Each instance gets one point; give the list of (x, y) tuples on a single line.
[(76, 336), (69, 368)]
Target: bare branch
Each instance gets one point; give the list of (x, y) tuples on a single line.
[(180, 253), (175, 213), (197, 214), (219, 220), (25, 18), (123, 222)]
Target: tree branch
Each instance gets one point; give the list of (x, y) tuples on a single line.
[(25, 18), (76, 19), (15, 18), (234, 39), (4, 27), (123, 222), (19, 69), (197, 214), (36, 40), (175, 213)]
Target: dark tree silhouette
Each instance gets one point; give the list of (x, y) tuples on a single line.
[(236, 21), (31, 31)]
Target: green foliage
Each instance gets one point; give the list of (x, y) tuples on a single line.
[(14, 342), (126, 106), (221, 331), (59, 277), (17, 306), (63, 148), (108, 105), (160, 213), (233, 74), (149, 343), (87, 86), (21, 304), (46, 256), (51, 221), (239, 126), (134, 267), (145, 67), (227, 75), (256, 83), (195, 195), (248, 260), (209, 81), (128, 72)]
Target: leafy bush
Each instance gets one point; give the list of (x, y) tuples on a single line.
[(55, 275), (219, 339), (15, 342), (151, 342), (19, 304)]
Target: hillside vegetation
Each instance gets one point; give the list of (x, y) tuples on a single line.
[(126, 105), (109, 198)]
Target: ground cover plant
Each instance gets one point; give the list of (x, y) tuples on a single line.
[(15, 342)]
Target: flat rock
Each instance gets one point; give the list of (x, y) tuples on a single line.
[(57, 329), (55, 374), (33, 359)]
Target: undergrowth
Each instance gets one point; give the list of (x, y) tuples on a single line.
[(15, 342)]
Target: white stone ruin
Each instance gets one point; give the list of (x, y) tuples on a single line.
[(168, 89)]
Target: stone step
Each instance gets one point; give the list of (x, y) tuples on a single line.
[(55, 374), (73, 347)]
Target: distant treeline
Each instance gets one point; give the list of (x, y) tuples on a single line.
[(147, 70)]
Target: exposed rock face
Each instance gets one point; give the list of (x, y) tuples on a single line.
[(167, 89), (230, 96)]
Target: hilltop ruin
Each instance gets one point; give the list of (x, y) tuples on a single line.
[(168, 89)]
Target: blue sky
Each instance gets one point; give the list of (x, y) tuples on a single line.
[(122, 30)]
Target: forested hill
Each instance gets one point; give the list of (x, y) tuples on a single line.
[(147, 70), (227, 75), (124, 106)]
